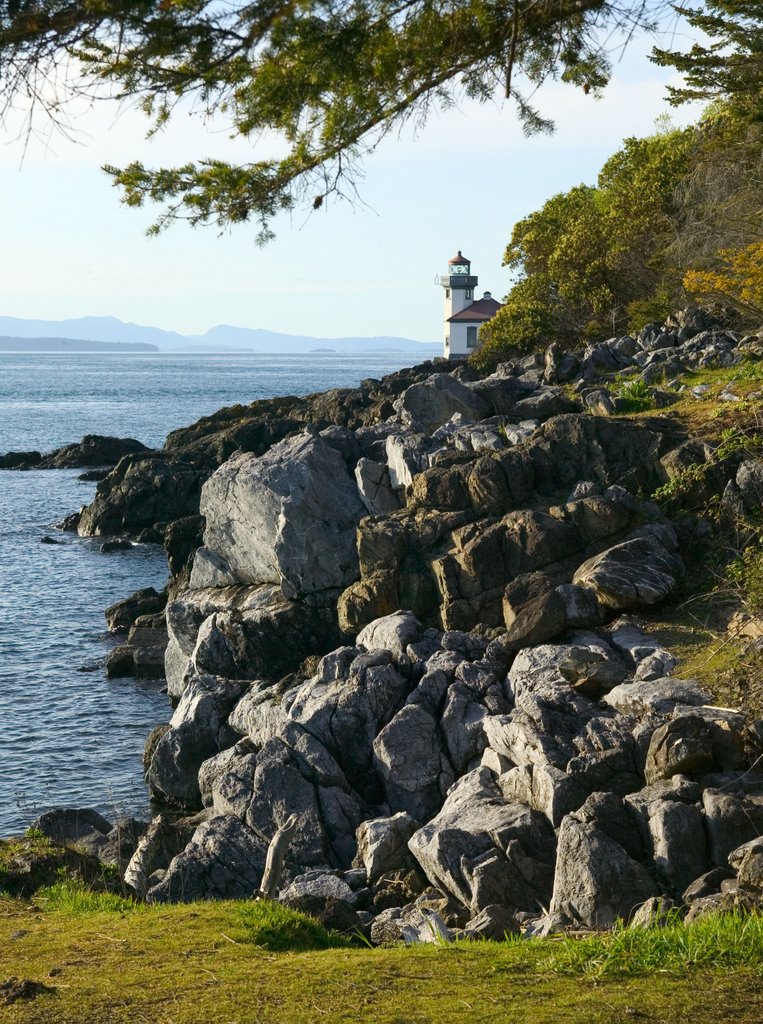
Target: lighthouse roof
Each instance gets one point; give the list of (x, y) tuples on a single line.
[(459, 260), (478, 312)]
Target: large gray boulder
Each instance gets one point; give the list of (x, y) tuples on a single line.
[(261, 713), (647, 656), (533, 611), (70, 826), (391, 633), (554, 726), (219, 767), (683, 746), (483, 850), (316, 883), (678, 847), (544, 788), (670, 824), (410, 760), (432, 402), (640, 571), (226, 780), (596, 882), (615, 818), (375, 487), (287, 517), (586, 663), (656, 696), (468, 437), (465, 714), (408, 454), (731, 820), (749, 480), (224, 861), (493, 924), (747, 861), (295, 774), (139, 492)]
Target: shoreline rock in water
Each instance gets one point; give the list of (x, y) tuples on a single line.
[(444, 691), (93, 451)]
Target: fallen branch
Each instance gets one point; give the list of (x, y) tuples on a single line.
[(276, 856), (142, 860)]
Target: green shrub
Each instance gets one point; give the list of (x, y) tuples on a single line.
[(745, 574), (523, 325), (636, 395), (655, 308)]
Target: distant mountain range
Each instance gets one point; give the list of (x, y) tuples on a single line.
[(220, 339)]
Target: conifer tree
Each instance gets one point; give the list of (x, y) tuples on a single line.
[(329, 78), (730, 66)]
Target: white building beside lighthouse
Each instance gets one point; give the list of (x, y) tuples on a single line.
[(464, 315)]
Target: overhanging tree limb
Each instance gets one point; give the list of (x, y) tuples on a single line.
[(330, 77)]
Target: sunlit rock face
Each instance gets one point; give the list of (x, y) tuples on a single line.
[(287, 517)]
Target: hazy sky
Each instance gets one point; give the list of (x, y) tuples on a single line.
[(69, 248)]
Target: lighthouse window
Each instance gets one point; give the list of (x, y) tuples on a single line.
[(447, 293), (471, 337), (468, 293)]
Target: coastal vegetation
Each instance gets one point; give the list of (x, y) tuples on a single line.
[(673, 218)]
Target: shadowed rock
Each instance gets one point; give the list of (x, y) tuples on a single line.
[(224, 860)]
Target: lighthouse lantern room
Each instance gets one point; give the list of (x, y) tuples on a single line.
[(463, 315)]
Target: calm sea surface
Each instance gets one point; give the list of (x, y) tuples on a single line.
[(72, 737)]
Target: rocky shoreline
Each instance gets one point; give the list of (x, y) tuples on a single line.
[(404, 613)]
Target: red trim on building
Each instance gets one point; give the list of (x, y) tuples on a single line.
[(478, 312)]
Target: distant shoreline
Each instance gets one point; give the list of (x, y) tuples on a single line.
[(52, 346), (43, 346), (20, 335)]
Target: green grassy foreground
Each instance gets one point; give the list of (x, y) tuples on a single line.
[(217, 963)]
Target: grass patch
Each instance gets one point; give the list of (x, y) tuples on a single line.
[(705, 417), (695, 632), (33, 861), (70, 896), (276, 928), (708, 415), (212, 963), (731, 672), (32, 843), (718, 942)]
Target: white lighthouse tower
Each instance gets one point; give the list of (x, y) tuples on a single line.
[(463, 315)]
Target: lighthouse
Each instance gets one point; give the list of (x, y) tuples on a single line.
[(463, 314)]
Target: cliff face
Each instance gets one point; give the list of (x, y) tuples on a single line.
[(396, 611)]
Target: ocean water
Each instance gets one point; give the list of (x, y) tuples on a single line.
[(68, 735)]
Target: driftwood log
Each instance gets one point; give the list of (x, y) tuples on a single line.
[(276, 855), (143, 859)]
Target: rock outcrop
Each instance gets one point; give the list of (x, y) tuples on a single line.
[(393, 613), (94, 450)]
